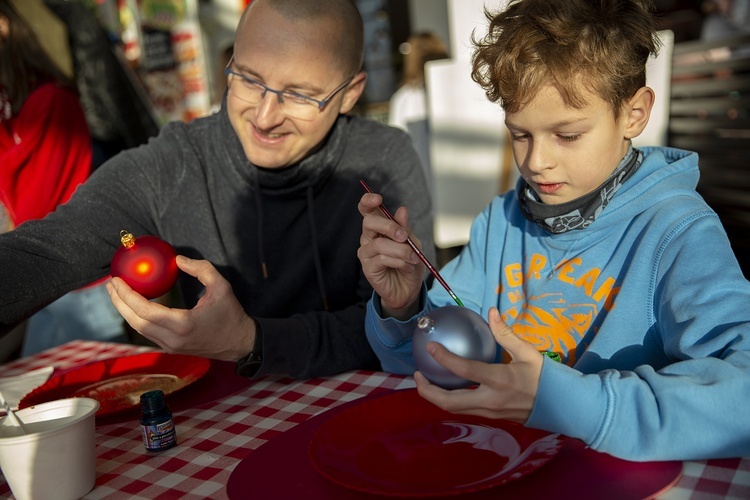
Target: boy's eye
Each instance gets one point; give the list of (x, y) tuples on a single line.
[(566, 138), (570, 138)]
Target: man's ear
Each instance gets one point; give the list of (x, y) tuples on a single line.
[(353, 92), (638, 111), (4, 27)]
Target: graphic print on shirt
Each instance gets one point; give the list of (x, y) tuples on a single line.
[(559, 312)]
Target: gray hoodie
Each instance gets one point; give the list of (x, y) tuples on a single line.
[(194, 187)]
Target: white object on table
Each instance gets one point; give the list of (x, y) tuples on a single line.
[(56, 459), (11, 425), (14, 388)]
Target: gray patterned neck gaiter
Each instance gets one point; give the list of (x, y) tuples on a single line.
[(581, 212)]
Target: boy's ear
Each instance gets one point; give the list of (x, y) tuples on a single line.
[(638, 111)]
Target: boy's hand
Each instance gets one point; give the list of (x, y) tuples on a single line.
[(390, 265), (506, 390), (217, 327)]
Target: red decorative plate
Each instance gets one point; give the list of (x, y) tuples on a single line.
[(118, 383), (402, 445)]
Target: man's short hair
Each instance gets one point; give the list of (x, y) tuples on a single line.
[(350, 43)]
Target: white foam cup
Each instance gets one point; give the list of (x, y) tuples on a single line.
[(56, 458)]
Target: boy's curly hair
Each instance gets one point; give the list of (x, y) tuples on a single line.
[(601, 45)]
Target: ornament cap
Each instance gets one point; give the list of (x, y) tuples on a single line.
[(426, 323), (127, 239)]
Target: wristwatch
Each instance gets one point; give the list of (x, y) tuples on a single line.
[(249, 365)]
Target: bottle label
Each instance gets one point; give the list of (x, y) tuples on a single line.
[(159, 436)]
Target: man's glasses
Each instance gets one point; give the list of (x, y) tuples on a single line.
[(292, 104)]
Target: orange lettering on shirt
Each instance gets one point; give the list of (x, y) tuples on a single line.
[(513, 274), (588, 280), (515, 296), (605, 290), (568, 267), (536, 264), (509, 315)]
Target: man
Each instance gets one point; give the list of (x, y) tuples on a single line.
[(259, 200)]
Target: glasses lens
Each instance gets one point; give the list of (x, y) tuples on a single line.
[(292, 105), (245, 90)]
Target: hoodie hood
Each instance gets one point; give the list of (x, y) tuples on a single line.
[(659, 165)]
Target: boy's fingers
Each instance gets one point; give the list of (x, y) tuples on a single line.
[(516, 347)]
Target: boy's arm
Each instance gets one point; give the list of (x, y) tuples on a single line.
[(388, 262), (391, 337), (690, 409)]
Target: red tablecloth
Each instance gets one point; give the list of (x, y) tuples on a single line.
[(214, 437)]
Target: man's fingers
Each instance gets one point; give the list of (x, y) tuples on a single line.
[(140, 313), (127, 299), (203, 270)]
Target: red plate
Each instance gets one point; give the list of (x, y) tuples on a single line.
[(118, 383), (402, 445)]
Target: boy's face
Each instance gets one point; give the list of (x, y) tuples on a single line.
[(286, 55), (562, 152)]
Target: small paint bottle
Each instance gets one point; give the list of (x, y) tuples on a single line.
[(157, 426)]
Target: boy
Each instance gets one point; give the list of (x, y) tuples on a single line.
[(604, 254)]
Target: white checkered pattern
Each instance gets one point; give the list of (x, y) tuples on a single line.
[(214, 437)]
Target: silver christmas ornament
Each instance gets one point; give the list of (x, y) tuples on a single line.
[(461, 331)]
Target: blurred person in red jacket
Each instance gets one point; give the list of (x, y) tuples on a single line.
[(45, 153)]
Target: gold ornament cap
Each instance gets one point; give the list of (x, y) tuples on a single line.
[(127, 239)]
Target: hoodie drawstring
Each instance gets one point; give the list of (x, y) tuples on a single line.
[(259, 208), (316, 250), (313, 237)]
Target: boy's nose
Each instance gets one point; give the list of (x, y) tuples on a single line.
[(539, 158)]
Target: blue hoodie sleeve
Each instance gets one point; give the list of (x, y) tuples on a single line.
[(391, 339), (694, 407)]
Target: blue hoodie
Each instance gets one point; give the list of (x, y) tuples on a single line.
[(647, 306)]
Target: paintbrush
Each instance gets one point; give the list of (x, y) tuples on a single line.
[(419, 253)]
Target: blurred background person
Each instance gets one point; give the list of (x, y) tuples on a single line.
[(45, 153), (408, 105), (725, 19), (110, 93)]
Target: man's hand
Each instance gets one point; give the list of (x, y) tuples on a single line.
[(217, 327), (506, 390), (390, 265)]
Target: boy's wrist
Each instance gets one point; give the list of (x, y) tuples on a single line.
[(401, 314)]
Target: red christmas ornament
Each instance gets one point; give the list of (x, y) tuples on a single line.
[(148, 266)]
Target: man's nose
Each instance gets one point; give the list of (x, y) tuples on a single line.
[(269, 110)]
